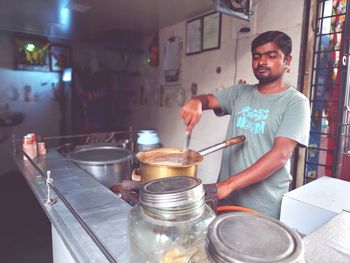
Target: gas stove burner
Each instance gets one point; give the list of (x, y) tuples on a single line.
[(127, 190)]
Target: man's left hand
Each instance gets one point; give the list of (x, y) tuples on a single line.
[(223, 190)]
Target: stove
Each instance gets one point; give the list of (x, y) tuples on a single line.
[(128, 190)]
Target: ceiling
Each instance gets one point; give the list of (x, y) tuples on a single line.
[(84, 19)]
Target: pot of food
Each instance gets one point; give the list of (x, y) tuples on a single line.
[(107, 163), (166, 162)]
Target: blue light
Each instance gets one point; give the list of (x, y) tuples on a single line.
[(65, 19), (67, 75), (65, 16)]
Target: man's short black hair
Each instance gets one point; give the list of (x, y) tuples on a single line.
[(281, 39)]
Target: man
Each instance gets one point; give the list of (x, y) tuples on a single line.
[(273, 117)]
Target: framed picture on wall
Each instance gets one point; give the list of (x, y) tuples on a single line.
[(31, 53), (194, 36), (60, 57), (211, 31)]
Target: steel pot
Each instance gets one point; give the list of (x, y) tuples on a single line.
[(107, 163), (166, 162)]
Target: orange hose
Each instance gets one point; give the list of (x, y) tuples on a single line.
[(227, 208)]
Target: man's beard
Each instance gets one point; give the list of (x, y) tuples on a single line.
[(268, 78)]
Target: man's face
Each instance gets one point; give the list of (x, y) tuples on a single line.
[(269, 63)]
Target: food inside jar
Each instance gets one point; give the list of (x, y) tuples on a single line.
[(188, 255)]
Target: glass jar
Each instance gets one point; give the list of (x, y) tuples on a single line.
[(245, 237), (170, 222)]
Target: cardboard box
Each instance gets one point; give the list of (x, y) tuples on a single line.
[(312, 205), (330, 242)]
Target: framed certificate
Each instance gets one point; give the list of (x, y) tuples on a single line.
[(211, 31), (194, 36)]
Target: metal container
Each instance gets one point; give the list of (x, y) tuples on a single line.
[(246, 237), (167, 162), (108, 163)]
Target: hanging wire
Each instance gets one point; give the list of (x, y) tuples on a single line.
[(241, 30)]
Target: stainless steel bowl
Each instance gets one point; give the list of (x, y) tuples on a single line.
[(107, 163)]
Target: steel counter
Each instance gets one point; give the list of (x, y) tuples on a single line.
[(89, 219)]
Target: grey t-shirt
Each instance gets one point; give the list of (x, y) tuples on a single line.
[(261, 118)]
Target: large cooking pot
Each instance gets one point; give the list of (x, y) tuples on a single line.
[(166, 162), (108, 163)]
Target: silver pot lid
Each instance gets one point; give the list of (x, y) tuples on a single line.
[(100, 154), (172, 192), (244, 237)]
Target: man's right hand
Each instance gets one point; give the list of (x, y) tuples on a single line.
[(191, 113)]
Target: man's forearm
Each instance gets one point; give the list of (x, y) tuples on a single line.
[(269, 163), (263, 168), (208, 101)]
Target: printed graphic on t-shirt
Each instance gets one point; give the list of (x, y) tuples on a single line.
[(252, 119)]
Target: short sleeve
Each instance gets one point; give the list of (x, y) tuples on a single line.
[(226, 98), (296, 121)]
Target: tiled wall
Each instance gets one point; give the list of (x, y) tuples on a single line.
[(41, 111)]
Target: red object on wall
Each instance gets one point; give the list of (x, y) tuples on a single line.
[(154, 51)]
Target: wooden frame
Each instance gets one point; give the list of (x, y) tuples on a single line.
[(60, 57), (211, 33), (194, 36)]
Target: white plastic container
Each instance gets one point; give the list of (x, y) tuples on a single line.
[(308, 207), (147, 139)]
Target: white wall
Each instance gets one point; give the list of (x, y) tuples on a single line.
[(284, 15), (41, 111)]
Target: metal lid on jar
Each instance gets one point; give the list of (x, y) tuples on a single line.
[(244, 237), (172, 192)]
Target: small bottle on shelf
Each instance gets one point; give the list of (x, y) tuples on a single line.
[(28, 147)]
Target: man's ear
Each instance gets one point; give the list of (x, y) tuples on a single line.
[(287, 61)]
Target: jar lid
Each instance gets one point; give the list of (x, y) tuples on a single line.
[(147, 137), (245, 237), (172, 192), (147, 131)]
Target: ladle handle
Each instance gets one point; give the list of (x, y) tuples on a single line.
[(235, 140), (224, 144)]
